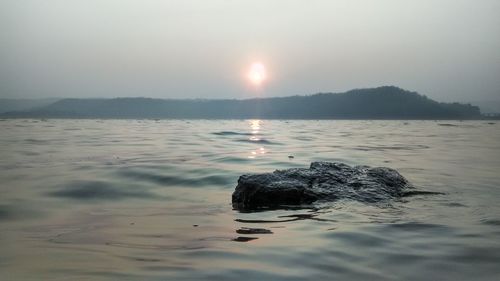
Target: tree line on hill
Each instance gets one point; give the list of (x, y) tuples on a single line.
[(386, 102)]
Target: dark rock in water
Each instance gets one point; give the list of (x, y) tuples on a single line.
[(247, 230), (323, 181), (244, 239)]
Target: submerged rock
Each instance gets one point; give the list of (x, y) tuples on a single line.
[(247, 230), (323, 181), (244, 239)]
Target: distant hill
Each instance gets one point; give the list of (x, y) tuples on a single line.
[(489, 107), (386, 102), (8, 105)]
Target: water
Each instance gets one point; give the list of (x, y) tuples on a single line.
[(151, 200)]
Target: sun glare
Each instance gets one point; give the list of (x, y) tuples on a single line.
[(257, 74)]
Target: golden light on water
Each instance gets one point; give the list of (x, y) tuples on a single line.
[(255, 126)]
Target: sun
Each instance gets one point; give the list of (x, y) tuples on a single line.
[(257, 74)]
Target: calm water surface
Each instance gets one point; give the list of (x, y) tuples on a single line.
[(151, 200)]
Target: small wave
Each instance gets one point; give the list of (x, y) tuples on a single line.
[(361, 239), (301, 138), (454, 204), (457, 125), (421, 192), (494, 222), (177, 179), (390, 147), (92, 190), (256, 140), (231, 133), (231, 159), (36, 141), (415, 226), (286, 218), (16, 212), (4, 212)]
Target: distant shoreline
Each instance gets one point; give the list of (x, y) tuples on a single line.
[(382, 103)]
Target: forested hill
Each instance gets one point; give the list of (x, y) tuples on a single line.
[(386, 102)]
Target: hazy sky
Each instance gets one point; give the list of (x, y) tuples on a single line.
[(446, 49)]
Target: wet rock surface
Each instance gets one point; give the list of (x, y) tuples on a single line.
[(248, 230), (323, 181)]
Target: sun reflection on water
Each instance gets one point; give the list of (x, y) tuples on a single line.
[(255, 126)]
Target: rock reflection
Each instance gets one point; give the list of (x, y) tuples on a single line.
[(244, 239), (251, 231)]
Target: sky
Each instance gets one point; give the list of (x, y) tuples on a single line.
[(448, 50)]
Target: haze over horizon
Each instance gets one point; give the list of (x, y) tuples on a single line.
[(447, 50)]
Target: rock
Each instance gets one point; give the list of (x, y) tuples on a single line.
[(244, 239), (323, 181), (247, 230)]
